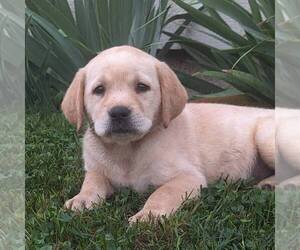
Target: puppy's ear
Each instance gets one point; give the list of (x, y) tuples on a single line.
[(173, 94), (73, 103)]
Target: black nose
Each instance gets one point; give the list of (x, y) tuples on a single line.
[(119, 112)]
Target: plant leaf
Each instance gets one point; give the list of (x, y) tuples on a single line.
[(212, 24), (246, 83)]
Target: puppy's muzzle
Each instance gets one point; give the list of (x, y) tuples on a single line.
[(120, 120)]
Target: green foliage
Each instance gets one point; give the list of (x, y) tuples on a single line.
[(287, 53), (12, 205), (11, 54), (247, 62), (226, 216), (57, 43), (287, 232)]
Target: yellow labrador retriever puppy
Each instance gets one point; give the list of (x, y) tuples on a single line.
[(141, 132)]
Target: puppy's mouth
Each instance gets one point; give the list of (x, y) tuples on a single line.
[(121, 131), (121, 127)]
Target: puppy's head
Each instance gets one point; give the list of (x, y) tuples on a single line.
[(124, 92)]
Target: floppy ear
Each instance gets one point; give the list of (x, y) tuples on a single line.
[(73, 103), (173, 94)]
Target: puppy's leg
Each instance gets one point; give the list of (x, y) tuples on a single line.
[(288, 141), (265, 141), (168, 198), (95, 188)]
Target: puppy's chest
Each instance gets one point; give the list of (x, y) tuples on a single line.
[(126, 171)]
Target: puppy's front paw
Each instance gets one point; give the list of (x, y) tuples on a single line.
[(147, 215), (292, 183), (268, 183), (81, 201)]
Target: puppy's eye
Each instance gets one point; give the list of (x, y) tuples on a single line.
[(99, 90), (141, 88)]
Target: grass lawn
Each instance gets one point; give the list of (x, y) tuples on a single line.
[(226, 216)]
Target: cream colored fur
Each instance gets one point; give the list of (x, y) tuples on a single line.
[(178, 148)]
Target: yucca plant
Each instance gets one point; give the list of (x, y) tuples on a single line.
[(59, 41), (247, 63)]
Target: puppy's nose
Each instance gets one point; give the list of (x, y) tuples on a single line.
[(119, 112)]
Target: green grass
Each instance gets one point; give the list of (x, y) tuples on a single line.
[(226, 216), (12, 203)]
